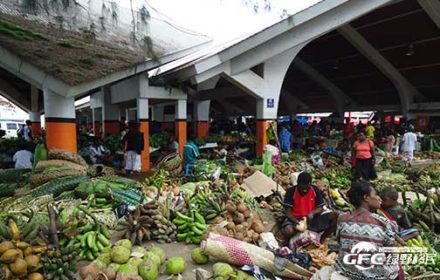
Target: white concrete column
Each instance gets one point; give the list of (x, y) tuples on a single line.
[(181, 113), (110, 113), (34, 114), (142, 108), (60, 121)]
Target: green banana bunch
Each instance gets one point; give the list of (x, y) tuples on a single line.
[(60, 264), (421, 242), (207, 203), (92, 241), (191, 227)]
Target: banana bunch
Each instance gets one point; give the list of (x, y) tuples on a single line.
[(60, 264), (339, 200), (93, 240), (28, 230), (208, 203), (100, 202), (191, 227), (147, 222), (420, 268)]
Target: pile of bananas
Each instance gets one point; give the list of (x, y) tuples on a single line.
[(147, 222), (93, 240), (338, 200), (191, 226), (420, 268), (60, 264), (207, 203)]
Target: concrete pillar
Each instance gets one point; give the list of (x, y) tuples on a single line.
[(264, 119), (97, 121), (202, 118), (34, 114), (180, 119), (142, 116), (60, 121), (110, 114)]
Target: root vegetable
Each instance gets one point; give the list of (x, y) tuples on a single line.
[(6, 245), (35, 276), (258, 227), (230, 207), (240, 228), (238, 218)]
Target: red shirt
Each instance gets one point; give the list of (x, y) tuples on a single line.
[(303, 204)]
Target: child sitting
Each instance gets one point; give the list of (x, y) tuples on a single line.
[(390, 210)]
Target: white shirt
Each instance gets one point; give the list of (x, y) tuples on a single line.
[(23, 159), (95, 152), (27, 133), (409, 141)]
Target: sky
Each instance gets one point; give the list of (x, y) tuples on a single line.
[(223, 20)]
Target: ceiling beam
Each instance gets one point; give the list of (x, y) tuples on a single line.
[(407, 92), (18, 98), (217, 93), (292, 98), (432, 8), (338, 95)]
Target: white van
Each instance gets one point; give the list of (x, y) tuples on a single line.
[(11, 127)]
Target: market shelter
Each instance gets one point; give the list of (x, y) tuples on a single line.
[(52, 55), (335, 56)]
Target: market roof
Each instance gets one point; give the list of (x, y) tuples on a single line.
[(73, 50), (366, 61)]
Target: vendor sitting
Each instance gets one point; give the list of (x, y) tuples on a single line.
[(306, 201), (391, 211), (99, 154), (190, 154)]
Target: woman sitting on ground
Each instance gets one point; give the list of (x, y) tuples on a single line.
[(362, 226)]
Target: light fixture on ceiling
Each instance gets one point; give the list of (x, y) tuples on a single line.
[(336, 65), (410, 51)]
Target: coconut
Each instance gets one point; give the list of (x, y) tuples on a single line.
[(9, 256), (123, 276), (138, 251), (154, 258), (35, 276), (114, 266), (258, 227), (19, 267), (238, 218), (6, 245), (241, 207), (175, 265), (33, 262), (91, 270), (110, 273), (129, 269), (230, 207), (105, 258)]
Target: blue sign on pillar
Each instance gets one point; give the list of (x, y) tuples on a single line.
[(270, 103)]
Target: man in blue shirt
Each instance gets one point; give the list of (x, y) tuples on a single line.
[(286, 139)]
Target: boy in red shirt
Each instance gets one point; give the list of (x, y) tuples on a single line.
[(305, 201)]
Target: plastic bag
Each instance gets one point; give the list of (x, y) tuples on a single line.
[(267, 167)]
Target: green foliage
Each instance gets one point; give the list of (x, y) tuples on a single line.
[(18, 32), (159, 140), (88, 60)]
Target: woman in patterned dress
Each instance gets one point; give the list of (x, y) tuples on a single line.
[(362, 225)]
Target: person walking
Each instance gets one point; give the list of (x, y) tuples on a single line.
[(363, 159), (286, 139), (409, 141), (134, 145)]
